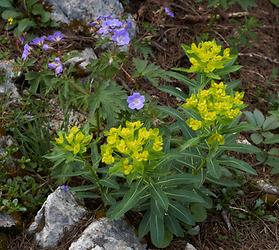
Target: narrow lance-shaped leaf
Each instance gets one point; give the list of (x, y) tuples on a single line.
[(213, 168), (238, 164), (158, 194), (129, 200), (242, 148)]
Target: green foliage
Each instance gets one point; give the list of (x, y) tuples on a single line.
[(107, 102), (245, 34), (265, 134), (24, 15)]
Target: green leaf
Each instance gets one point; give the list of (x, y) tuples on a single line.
[(270, 123), (243, 126), (158, 194), (6, 4), (144, 226), (184, 195), (242, 148), (106, 182), (223, 182), (25, 24), (259, 117), (108, 100), (213, 168), (181, 213), (250, 117), (256, 138), (275, 170), (198, 212), (178, 179), (157, 230), (173, 91), (87, 195), (6, 14), (272, 161), (181, 78), (172, 112), (173, 226), (83, 188), (275, 2), (129, 201), (272, 140), (228, 70), (38, 9), (190, 143), (238, 164)]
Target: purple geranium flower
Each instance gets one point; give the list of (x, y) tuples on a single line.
[(104, 30), (113, 23), (38, 41), (168, 12), (136, 101), (56, 37), (26, 51), (121, 37), (56, 65), (46, 47), (65, 188)]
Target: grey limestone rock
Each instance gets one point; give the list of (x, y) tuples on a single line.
[(105, 234), (6, 221), (190, 247), (59, 212), (7, 86), (83, 58), (68, 10)]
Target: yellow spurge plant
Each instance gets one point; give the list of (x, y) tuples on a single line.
[(74, 141), (127, 148), (207, 57), (214, 107)]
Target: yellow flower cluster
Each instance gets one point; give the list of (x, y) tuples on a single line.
[(130, 146), (74, 141), (207, 56), (214, 106)]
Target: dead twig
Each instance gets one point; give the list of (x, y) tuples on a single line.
[(266, 226), (227, 220), (205, 18), (259, 56)]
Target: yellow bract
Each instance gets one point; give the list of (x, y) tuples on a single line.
[(75, 141), (216, 138), (130, 146), (207, 56), (214, 106), (10, 20)]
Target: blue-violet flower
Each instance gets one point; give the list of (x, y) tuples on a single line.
[(56, 65), (168, 12), (136, 101), (38, 41), (26, 51), (56, 37), (121, 37), (65, 188)]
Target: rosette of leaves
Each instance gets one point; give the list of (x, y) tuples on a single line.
[(25, 15), (265, 135)]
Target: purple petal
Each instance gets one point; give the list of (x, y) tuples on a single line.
[(52, 65), (168, 12), (121, 37), (132, 105)]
